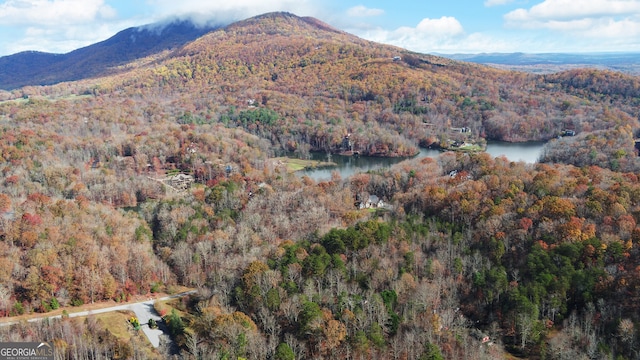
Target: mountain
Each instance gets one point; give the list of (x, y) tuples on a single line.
[(553, 62), (305, 86), (38, 68), (310, 73), (169, 174)]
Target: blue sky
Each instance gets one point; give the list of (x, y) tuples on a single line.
[(428, 26)]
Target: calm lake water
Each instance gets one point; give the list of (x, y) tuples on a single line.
[(528, 152), (349, 165)]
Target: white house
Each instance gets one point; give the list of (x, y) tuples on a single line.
[(372, 202)]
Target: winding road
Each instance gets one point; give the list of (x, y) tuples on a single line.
[(143, 310)]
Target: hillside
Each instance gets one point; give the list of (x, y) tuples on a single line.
[(324, 84), (100, 59), (166, 174)]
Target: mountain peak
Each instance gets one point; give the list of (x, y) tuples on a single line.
[(281, 23), (132, 44)]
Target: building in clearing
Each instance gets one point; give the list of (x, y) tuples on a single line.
[(372, 203), (180, 181)]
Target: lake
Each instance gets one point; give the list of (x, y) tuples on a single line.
[(348, 165), (528, 152)]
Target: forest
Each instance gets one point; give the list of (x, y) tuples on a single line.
[(473, 257)]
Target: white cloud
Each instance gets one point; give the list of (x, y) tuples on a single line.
[(490, 3), (56, 25), (63, 25), (447, 36), (565, 10), (618, 30), (226, 11), (424, 42), (53, 13), (443, 35), (363, 11), (428, 34), (427, 31), (618, 20), (62, 39), (446, 25)]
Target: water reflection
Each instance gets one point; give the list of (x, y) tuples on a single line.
[(349, 165), (528, 152)]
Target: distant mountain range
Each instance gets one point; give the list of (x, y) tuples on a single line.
[(151, 41), (103, 58), (553, 62)]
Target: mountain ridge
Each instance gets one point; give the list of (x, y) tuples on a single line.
[(625, 62), (34, 68), (312, 85), (31, 68), (283, 63)]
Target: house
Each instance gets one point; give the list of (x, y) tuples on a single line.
[(180, 181), (347, 144), (372, 203), (461, 130)]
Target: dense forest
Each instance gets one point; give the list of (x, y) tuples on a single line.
[(473, 257)]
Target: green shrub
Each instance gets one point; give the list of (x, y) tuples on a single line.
[(284, 352), (54, 304)]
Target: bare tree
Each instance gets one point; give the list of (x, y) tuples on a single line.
[(5, 295)]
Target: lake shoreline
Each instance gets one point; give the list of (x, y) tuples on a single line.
[(347, 166)]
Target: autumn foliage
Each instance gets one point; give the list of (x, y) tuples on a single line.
[(473, 257)]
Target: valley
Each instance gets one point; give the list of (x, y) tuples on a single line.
[(169, 173)]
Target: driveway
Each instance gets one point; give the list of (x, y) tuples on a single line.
[(144, 311)]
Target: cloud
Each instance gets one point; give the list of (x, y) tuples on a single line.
[(53, 13), (60, 40), (566, 10), (432, 43), (363, 11), (447, 36), (56, 25), (489, 3), (619, 30), (618, 20), (63, 25), (227, 11), (443, 35), (446, 25)]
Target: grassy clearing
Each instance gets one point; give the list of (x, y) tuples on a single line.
[(16, 101), (470, 148), (117, 323), (69, 97), (466, 147), (294, 165), (166, 306)]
